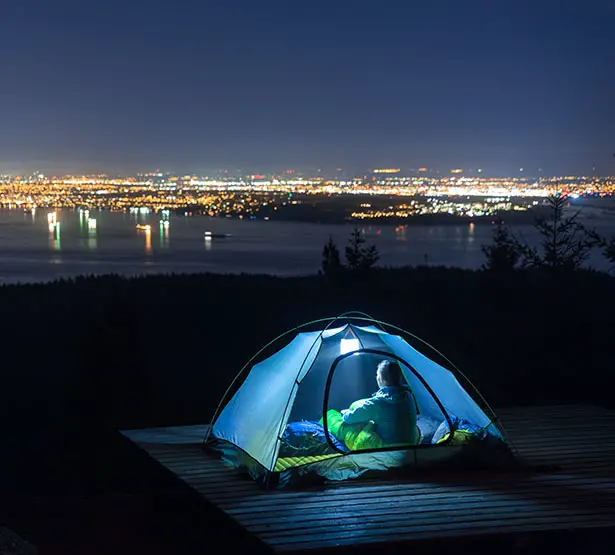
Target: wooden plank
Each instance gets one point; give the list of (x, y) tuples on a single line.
[(194, 454), (590, 445), (548, 410), (565, 456), (571, 490), (562, 457), (394, 487), (439, 532), (263, 498), (574, 436), (468, 478), (360, 532), (409, 499), (521, 418), (196, 463), (518, 421), (436, 505), (419, 520)]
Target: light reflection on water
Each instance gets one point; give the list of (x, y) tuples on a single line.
[(164, 233), (104, 242), (54, 235)]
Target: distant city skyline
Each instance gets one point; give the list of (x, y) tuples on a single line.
[(313, 171), (121, 86)]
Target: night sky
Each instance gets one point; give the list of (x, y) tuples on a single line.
[(193, 85)]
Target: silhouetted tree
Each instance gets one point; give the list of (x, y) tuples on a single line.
[(504, 254), (359, 256), (566, 243), (331, 263), (609, 249)]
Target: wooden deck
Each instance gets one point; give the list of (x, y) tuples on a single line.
[(580, 495)]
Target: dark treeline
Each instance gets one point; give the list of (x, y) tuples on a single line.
[(162, 350)]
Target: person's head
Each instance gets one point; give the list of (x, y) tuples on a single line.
[(389, 373)]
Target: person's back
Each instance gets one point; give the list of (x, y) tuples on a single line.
[(396, 421), (392, 408)]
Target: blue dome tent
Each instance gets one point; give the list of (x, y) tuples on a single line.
[(285, 426)]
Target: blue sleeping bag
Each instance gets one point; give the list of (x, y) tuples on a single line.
[(459, 424), (307, 439)]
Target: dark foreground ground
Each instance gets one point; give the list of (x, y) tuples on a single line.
[(82, 359)]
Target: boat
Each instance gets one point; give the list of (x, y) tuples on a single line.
[(210, 235)]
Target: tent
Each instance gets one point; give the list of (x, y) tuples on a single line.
[(284, 423)]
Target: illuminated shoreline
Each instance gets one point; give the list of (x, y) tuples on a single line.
[(258, 196)]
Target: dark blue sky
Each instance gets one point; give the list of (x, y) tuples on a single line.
[(133, 84)]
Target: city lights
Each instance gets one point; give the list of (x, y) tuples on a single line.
[(260, 196)]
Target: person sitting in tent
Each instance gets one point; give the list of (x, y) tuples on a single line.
[(392, 408)]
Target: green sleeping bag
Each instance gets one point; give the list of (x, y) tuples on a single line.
[(460, 437), (356, 437)]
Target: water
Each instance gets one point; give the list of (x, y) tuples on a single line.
[(32, 252)]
